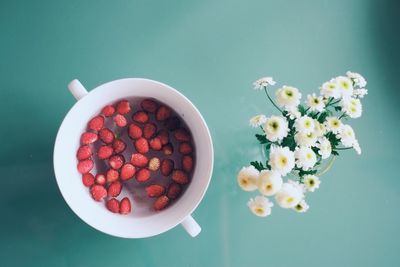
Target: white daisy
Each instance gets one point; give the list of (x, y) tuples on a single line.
[(306, 140), (311, 182), (304, 124), (305, 158), (352, 107), (324, 147), (360, 93), (357, 147), (315, 103), (301, 207), (263, 83), (257, 121), (345, 86), (269, 182), (330, 89), (333, 124), (247, 178), (281, 159), (289, 196), (288, 97), (319, 128), (293, 113), (347, 136), (260, 206), (276, 128), (357, 79)]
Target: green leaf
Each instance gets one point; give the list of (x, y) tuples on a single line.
[(323, 116), (309, 172), (334, 152), (262, 138), (258, 165), (337, 108), (302, 110)]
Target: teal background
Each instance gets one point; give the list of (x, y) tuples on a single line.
[(211, 51)]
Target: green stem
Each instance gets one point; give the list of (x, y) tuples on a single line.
[(265, 90), (343, 148), (341, 116)]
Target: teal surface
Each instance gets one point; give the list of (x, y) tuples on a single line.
[(211, 51)]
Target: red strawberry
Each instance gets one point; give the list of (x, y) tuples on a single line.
[(108, 111), (149, 129), (174, 191), (119, 146), (85, 166), (112, 175), (123, 107), (120, 120), (114, 189), (143, 175), (182, 135), (113, 205), (185, 148), (88, 138), (88, 179), (155, 190), (149, 105), (116, 161), (163, 113), (180, 177), (187, 163), (155, 144), (125, 206), (135, 131), (104, 152), (139, 160), (127, 171), (164, 136), (84, 152), (98, 192), (167, 165), (168, 149), (154, 164), (106, 135), (140, 117), (172, 123), (141, 145), (96, 123), (100, 179), (161, 203)]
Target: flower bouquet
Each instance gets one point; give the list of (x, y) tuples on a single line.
[(301, 140)]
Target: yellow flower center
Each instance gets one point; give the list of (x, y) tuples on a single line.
[(259, 210), (289, 200)]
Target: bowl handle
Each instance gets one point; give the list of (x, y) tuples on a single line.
[(191, 226), (77, 89)]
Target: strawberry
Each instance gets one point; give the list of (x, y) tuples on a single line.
[(116, 161), (167, 165), (161, 203), (88, 138), (140, 117), (155, 144), (141, 145), (125, 206), (163, 135), (182, 135), (113, 205), (149, 129), (180, 177), (154, 164), (172, 123), (143, 175), (120, 120), (119, 146), (88, 179), (155, 190), (85, 166), (187, 163), (96, 123), (114, 189), (100, 179), (84, 152), (174, 191), (108, 111), (185, 148), (149, 105), (168, 149), (98, 192), (123, 107), (127, 171), (104, 152), (106, 135), (163, 113), (139, 160), (112, 175), (134, 131)]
